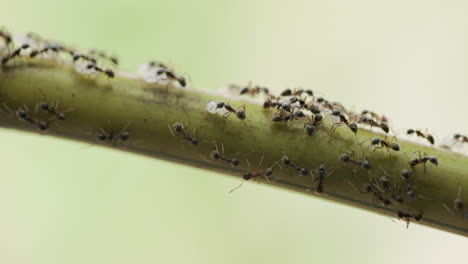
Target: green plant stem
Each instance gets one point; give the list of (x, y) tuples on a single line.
[(111, 104)]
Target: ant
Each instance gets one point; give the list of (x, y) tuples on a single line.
[(297, 92), (15, 53), (51, 109), (407, 217), (343, 120), (240, 112), (363, 164), (461, 138), (384, 183), (378, 195), (112, 136), (423, 160), (255, 90), (255, 174), (172, 76), (6, 38), (110, 73), (269, 103), (372, 123), (310, 127), (102, 54), (293, 116), (458, 202), (216, 155), (287, 162), (384, 144), (23, 114), (180, 129), (427, 136), (322, 173)]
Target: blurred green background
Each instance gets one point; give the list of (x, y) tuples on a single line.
[(64, 202)]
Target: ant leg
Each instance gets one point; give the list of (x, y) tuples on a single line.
[(237, 186), (170, 130)]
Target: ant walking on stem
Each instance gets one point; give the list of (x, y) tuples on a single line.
[(181, 130), (256, 173)]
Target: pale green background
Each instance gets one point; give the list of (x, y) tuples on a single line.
[(63, 202)]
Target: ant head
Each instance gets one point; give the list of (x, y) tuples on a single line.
[(44, 105), (178, 127), (405, 174), (365, 165), (182, 81), (43, 125), (235, 162), (309, 92), (299, 113), (318, 117), (395, 146), (124, 136), (303, 172), (434, 160), (319, 189), (353, 127), (410, 131), (33, 53), (214, 154), (344, 157), (24, 46), (276, 118), (457, 136), (322, 169), (458, 203), (247, 175), (286, 107), (266, 104), (244, 90), (310, 129), (285, 160), (194, 141), (367, 187), (101, 136), (240, 114), (384, 182), (220, 104), (418, 217), (399, 199), (400, 214), (269, 172), (386, 202), (320, 100), (22, 113), (109, 73), (336, 112)]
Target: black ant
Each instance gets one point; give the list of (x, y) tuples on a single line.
[(110, 73), (172, 76), (312, 125), (384, 144), (297, 92), (423, 160), (407, 217), (278, 117), (384, 183), (255, 174), (369, 189), (287, 162), (458, 202), (240, 112), (23, 114), (112, 136), (52, 109), (103, 55), (15, 53), (321, 174), (427, 136), (461, 138), (255, 90), (216, 155), (363, 164), (372, 123), (180, 129), (343, 120), (6, 38)]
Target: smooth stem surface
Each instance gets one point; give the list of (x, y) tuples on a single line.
[(99, 103)]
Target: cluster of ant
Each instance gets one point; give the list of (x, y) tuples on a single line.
[(157, 72), (302, 104), (33, 46)]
